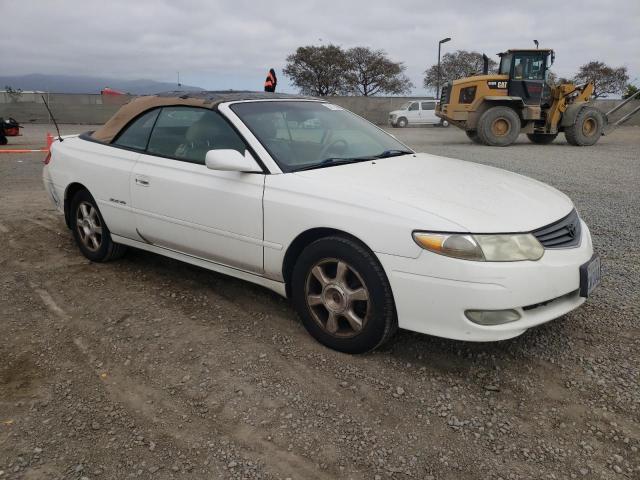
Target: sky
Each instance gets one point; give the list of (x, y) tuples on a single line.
[(230, 44)]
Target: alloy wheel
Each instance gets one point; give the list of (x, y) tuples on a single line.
[(89, 226), (337, 297)]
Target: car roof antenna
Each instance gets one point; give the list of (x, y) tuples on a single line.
[(52, 117)]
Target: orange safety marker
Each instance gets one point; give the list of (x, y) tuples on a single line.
[(28, 150), (23, 150)]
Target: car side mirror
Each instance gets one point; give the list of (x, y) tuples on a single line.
[(231, 161)]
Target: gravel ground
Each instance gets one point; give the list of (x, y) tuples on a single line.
[(150, 368)]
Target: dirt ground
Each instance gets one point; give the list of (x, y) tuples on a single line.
[(150, 368)]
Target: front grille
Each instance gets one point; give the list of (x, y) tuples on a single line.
[(564, 233)]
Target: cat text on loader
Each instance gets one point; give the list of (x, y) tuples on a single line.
[(493, 109)]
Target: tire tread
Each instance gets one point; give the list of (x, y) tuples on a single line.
[(388, 304)]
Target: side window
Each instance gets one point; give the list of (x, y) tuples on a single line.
[(528, 68), (518, 68), (428, 105), (188, 133), (136, 135), (413, 106)]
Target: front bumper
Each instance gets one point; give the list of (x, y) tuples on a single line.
[(432, 291)]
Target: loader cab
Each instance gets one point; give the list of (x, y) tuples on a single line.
[(528, 74)]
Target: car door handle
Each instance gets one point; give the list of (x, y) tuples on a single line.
[(144, 182)]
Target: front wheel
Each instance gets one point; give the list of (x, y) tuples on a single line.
[(402, 122), (587, 127), (444, 123), (90, 231), (342, 295), (499, 126), (3, 139)]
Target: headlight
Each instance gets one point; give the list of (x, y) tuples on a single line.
[(481, 248)]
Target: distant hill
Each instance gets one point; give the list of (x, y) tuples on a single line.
[(84, 84)]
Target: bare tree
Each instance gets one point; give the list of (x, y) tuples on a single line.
[(14, 93), (318, 71), (371, 72), (459, 64), (606, 80)]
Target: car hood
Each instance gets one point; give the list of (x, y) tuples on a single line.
[(467, 196), (397, 112)]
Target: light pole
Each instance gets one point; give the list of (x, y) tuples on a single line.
[(444, 40)]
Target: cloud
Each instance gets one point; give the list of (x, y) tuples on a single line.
[(231, 43)]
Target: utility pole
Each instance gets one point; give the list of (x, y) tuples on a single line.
[(444, 40)]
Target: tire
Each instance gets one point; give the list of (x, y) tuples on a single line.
[(85, 221), (499, 126), (542, 138), (3, 139), (402, 122), (473, 136), (343, 295), (586, 129), (444, 123)]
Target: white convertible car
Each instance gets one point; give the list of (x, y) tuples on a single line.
[(307, 199)]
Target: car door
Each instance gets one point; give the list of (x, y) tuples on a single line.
[(413, 113), (428, 112), (182, 205), (112, 167)]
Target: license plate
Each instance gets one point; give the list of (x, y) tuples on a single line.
[(589, 276)]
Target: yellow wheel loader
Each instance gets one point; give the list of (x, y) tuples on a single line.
[(493, 109)]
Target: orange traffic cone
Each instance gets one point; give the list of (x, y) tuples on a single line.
[(49, 140)]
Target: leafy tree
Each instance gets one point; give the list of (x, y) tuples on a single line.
[(458, 64), (630, 91), (606, 80), (371, 72), (318, 71)]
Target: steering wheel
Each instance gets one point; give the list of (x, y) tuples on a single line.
[(335, 143)]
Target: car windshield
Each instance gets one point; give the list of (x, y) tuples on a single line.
[(301, 135), (405, 106)]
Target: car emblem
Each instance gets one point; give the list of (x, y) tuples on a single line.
[(571, 230)]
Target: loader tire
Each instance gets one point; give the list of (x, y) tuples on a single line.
[(542, 138), (586, 129), (499, 126), (473, 136)]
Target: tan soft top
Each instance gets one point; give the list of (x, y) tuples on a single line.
[(139, 105)]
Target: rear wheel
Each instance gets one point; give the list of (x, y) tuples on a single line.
[(3, 139), (402, 122), (473, 136), (90, 231), (342, 295), (542, 138), (499, 126), (587, 127)]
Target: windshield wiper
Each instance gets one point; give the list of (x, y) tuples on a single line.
[(393, 153), (330, 162)]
